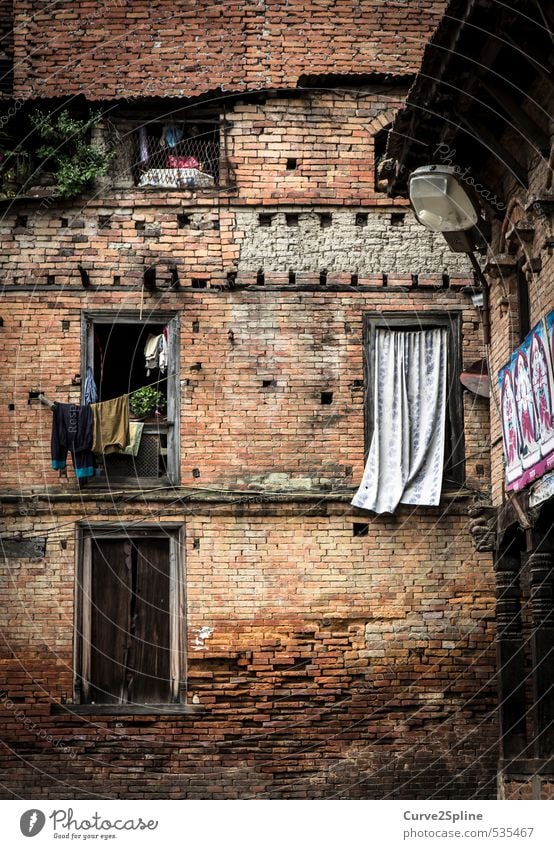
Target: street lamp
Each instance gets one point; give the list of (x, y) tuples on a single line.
[(442, 204)]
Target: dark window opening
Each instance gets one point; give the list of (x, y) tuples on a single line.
[(397, 219), (292, 219), (360, 529), (380, 141), (361, 219), (177, 155), (326, 397), (265, 219), (116, 353), (523, 302), (292, 163)]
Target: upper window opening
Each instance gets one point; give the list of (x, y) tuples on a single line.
[(414, 420), (380, 141), (177, 155), (138, 359)]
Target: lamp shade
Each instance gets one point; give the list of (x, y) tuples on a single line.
[(439, 200)]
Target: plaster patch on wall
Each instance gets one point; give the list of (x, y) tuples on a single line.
[(343, 246)]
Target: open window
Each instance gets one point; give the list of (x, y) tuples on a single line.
[(114, 349), (129, 616), (414, 412), (381, 164), (177, 154)]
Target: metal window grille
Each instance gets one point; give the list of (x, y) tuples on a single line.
[(147, 464), (177, 155)]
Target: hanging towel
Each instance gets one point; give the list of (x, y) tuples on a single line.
[(90, 395), (72, 431), (405, 462), (135, 435), (162, 362), (152, 352), (110, 425)]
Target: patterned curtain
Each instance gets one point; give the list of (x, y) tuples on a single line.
[(405, 462)]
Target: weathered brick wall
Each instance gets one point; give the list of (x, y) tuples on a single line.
[(536, 253), (356, 666), (339, 664), (119, 48), (306, 342)]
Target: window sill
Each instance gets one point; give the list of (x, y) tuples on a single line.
[(57, 709)]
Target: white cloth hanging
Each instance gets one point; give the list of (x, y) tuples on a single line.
[(405, 461)]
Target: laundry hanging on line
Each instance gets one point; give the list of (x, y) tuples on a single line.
[(72, 432), (156, 352), (110, 434)]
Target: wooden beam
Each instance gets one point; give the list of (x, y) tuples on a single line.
[(516, 115), (490, 141)]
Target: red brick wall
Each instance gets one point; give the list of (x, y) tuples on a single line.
[(120, 48), (357, 666), (338, 664)]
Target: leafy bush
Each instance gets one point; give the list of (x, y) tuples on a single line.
[(146, 402), (67, 151)]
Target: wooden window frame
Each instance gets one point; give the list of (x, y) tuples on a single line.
[(172, 319), (454, 469), (177, 606)]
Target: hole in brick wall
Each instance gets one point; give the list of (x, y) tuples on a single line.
[(325, 219), (11, 407), (326, 397), (215, 224), (360, 529), (116, 279), (50, 279), (445, 281), (65, 324), (361, 219), (196, 473), (139, 225), (183, 220), (21, 220), (64, 222), (292, 163), (195, 326), (265, 219), (397, 219), (480, 469), (357, 385), (353, 279), (415, 281), (260, 277), (199, 282), (231, 278), (149, 277), (63, 544), (269, 384), (196, 543), (323, 277), (292, 278), (292, 219), (104, 222), (385, 279)]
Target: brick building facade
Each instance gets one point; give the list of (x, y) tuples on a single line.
[(313, 649), (499, 134)]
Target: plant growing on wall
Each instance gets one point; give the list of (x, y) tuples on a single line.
[(15, 165), (66, 150), (146, 401)]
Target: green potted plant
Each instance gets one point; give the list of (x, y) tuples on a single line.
[(146, 402)]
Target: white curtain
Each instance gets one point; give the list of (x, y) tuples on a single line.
[(405, 461)]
